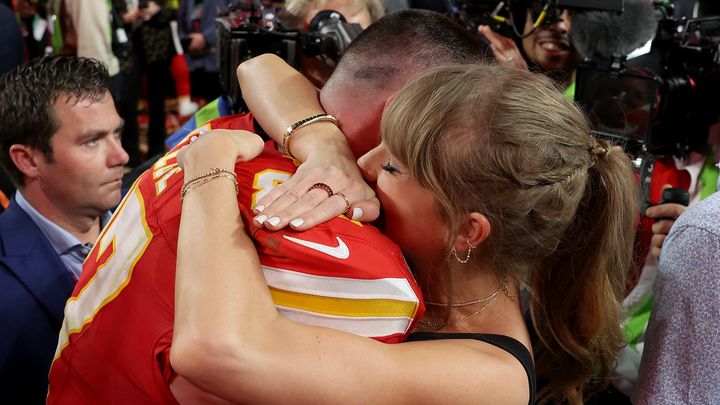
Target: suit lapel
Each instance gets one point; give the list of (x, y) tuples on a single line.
[(30, 257)]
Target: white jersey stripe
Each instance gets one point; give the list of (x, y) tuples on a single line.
[(361, 326), (339, 287)]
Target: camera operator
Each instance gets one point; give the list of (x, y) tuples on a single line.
[(679, 359), (317, 69), (547, 48), (196, 27), (303, 15)]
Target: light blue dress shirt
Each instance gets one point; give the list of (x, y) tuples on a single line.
[(71, 251)]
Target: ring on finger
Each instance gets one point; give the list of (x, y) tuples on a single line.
[(322, 186), (347, 202)]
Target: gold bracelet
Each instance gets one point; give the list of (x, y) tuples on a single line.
[(211, 174), (303, 123)]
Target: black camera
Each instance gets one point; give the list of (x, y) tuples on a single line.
[(661, 103), (508, 17), (246, 30), (664, 101)]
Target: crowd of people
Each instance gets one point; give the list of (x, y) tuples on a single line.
[(404, 228)]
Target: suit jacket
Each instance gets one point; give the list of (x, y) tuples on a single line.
[(34, 285)]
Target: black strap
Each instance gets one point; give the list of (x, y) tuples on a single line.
[(510, 345)]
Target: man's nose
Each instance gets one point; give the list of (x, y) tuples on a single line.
[(562, 25), (117, 156)]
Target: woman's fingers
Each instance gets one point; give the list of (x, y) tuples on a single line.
[(218, 145), (309, 203)]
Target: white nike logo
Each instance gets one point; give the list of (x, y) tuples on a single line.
[(340, 251)]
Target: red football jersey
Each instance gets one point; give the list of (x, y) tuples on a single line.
[(115, 340)]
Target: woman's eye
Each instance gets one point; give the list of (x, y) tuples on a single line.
[(388, 167)]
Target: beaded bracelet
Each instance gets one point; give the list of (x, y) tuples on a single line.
[(303, 123), (212, 174)]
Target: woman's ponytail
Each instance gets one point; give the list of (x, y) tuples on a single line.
[(578, 290)]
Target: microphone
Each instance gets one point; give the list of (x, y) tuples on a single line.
[(598, 35)]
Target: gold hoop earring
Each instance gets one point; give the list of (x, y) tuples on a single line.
[(469, 252)]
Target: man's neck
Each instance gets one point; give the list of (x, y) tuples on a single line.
[(86, 228)]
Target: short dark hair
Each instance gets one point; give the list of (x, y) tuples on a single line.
[(28, 94), (410, 41)]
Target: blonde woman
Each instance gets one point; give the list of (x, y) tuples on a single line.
[(484, 195), (363, 12)]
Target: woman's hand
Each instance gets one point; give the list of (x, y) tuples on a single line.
[(294, 203), (505, 50), (220, 148)]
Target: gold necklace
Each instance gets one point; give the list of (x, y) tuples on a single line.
[(492, 295), (490, 299)]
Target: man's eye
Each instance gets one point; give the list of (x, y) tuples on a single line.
[(388, 167)]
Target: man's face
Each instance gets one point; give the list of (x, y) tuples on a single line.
[(86, 170), (549, 46)]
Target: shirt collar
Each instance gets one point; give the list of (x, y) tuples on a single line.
[(60, 239)]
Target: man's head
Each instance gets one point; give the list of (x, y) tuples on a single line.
[(548, 46), (61, 132), (382, 59)]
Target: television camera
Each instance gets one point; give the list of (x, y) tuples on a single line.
[(250, 28), (661, 103)]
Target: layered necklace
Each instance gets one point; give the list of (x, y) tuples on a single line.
[(487, 301)]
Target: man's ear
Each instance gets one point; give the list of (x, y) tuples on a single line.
[(475, 231), (26, 159)]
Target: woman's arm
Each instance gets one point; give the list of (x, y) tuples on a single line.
[(279, 96), (230, 341)]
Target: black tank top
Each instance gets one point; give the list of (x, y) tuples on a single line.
[(506, 343)]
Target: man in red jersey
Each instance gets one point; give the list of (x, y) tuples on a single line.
[(116, 337)]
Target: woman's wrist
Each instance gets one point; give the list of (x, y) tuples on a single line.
[(203, 156), (319, 138)]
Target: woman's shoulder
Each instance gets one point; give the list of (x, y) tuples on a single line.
[(505, 343)]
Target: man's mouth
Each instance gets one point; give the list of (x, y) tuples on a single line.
[(554, 45)]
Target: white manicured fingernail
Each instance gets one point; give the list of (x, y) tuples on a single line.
[(357, 213), (297, 222), (274, 221), (259, 208), (260, 219)]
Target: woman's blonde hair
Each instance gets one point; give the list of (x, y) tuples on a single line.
[(299, 8), (506, 143)]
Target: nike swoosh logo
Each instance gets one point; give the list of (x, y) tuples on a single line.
[(340, 251)]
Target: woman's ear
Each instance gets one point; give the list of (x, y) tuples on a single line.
[(475, 231)]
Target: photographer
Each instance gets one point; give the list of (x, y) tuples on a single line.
[(317, 68), (196, 26), (547, 48)]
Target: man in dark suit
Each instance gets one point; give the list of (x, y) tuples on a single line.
[(60, 144)]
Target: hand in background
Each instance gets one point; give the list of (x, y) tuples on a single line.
[(197, 44), (505, 50), (665, 216)]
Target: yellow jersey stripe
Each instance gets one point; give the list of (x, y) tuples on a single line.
[(343, 306)]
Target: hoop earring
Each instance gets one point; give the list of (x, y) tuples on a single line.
[(469, 251)]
